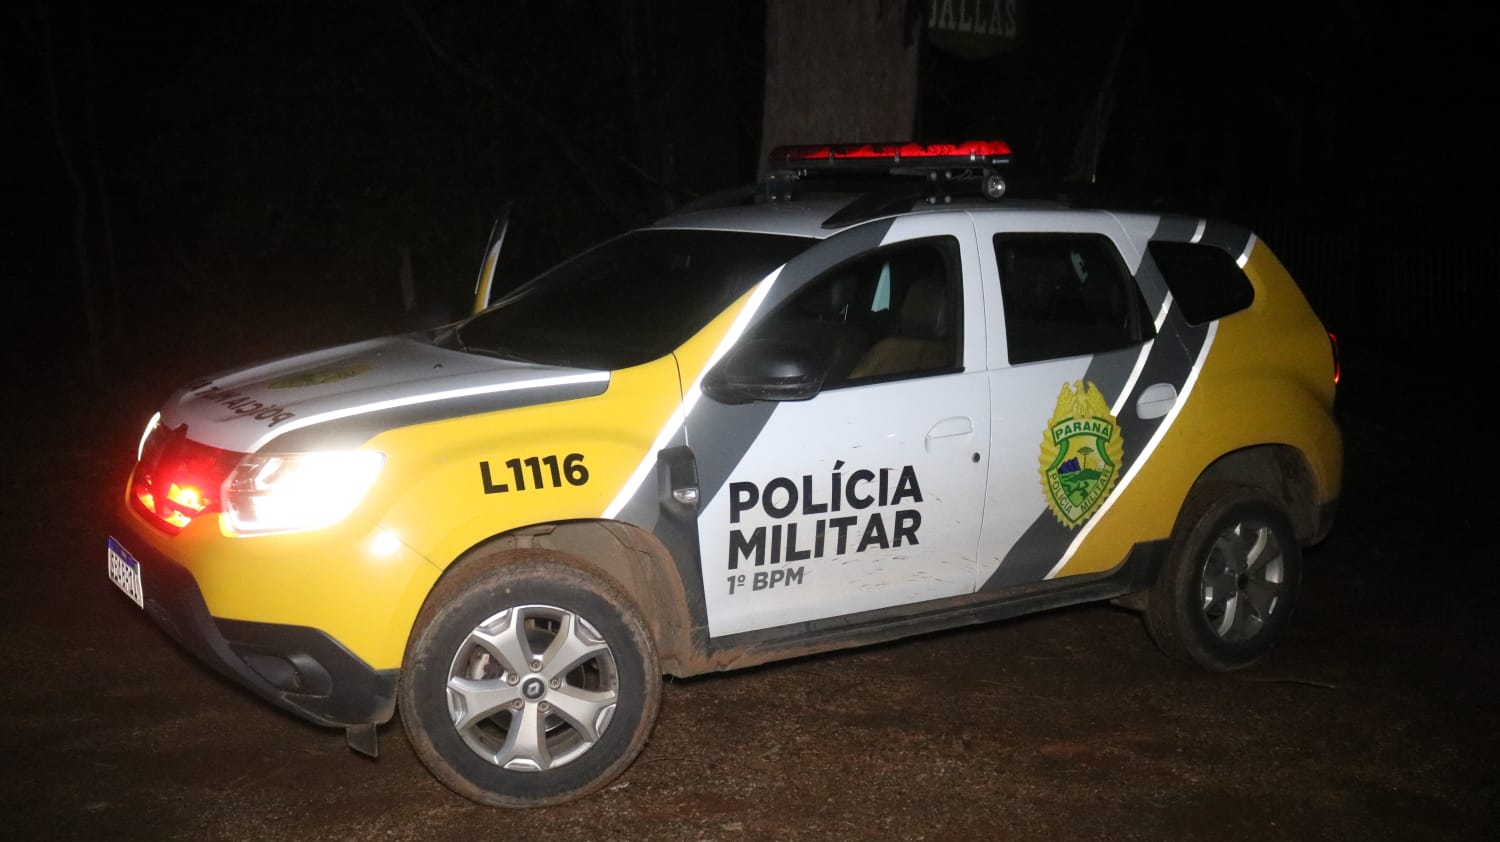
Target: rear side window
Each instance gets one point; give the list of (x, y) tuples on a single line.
[(1205, 281), (1066, 295)]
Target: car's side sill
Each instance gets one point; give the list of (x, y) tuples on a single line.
[(1137, 572)]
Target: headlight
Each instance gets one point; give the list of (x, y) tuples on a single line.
[(287, 492)]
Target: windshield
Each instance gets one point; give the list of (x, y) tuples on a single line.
[(627, 301)]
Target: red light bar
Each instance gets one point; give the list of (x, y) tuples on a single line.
[(950, 154)]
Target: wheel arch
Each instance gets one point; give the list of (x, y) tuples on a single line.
[(629, 556), (1281, 471)]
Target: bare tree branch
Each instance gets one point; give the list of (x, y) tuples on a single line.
[(1090, 142), (587, 167)]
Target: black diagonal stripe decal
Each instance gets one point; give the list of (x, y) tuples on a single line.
[(719, 435), (353, 430)]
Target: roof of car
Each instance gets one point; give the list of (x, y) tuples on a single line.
[(824, 216)]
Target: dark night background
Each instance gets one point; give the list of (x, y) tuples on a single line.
[(242, 173)]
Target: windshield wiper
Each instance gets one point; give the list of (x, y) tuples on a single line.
[(497, 352)]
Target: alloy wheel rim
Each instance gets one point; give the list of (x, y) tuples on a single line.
[(532, 688), (1243, 577)]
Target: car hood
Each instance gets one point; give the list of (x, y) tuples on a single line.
[(342, 396)]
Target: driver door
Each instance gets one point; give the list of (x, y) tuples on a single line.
[(869, 494)]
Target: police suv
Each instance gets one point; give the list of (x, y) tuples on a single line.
[(823, 411)]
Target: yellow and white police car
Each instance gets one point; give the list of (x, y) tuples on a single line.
[(793, 419)]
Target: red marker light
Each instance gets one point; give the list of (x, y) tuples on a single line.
[(1333, 342), (187, 498), (178, 479)]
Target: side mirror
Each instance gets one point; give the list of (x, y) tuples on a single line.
[(766, 370)]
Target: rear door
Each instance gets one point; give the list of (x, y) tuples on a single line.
[(1074, 330)]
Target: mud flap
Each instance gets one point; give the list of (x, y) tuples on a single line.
[(363, 739)]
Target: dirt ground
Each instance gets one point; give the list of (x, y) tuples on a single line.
[(1376, 719)]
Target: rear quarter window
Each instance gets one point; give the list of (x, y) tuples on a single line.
[(1205, 281)]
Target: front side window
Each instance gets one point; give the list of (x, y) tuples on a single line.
[(1066, 295), (891, 313)]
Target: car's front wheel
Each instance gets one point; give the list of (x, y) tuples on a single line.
[(530, 680), (1230, 581)]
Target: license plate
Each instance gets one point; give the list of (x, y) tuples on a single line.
[(125, 572)]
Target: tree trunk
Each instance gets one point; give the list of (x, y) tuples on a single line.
[(1095, 130), (840, 71), (80, 201)]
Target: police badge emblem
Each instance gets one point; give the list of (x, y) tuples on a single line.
[(1081, 454)]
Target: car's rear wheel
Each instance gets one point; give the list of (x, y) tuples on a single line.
[(1230, 580), (529, 681)]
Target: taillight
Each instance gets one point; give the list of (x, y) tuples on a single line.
[(1333, 344), (178, 479)]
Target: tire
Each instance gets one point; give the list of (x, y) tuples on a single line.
[(1230, 581), (528, 644)]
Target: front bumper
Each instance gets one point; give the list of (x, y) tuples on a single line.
[(299, 669)]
